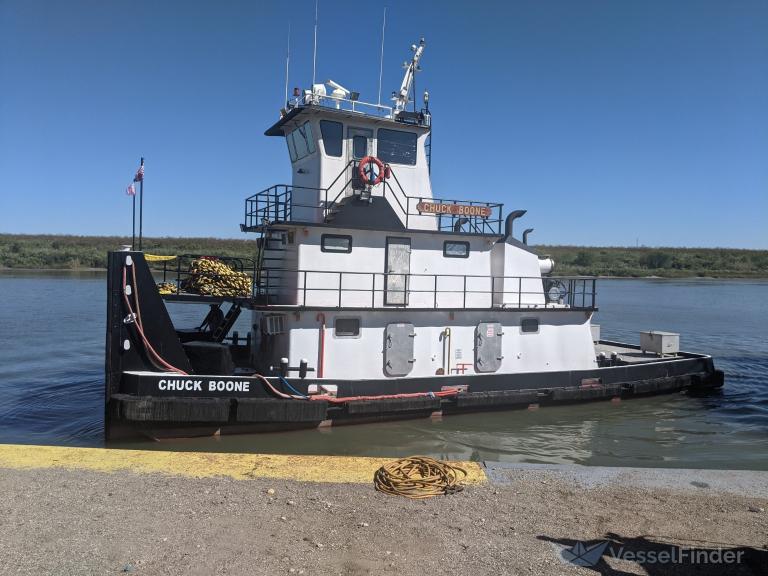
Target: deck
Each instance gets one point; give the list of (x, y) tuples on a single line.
[(631, 354)]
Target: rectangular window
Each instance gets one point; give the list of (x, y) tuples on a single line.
[(291, 147), (346, 328), (359, 147), (336, 243), (332, 137), (300, 142), (529, 325), (397, 147), (453, 249)]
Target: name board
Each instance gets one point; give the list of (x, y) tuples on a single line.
[(144, 384), (453, 209)]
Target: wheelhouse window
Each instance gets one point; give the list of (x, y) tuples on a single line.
[(359, 146), (529, 325), (336, 243), (397, 147), (346, 328), (332, 137), (452, 249), (301, 142)]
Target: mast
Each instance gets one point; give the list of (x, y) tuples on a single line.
[(401, 98)]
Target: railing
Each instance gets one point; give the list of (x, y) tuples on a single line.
[(475, 224), (339, 103), (374, 289), (178, 276), (421, 118), (434, 291), (278, 204)]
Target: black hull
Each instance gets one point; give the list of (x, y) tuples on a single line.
[(187, 416)]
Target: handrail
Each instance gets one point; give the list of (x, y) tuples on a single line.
[(574, 292), (277, 201), (308, 287)]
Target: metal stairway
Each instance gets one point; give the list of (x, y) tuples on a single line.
[(270, 272)]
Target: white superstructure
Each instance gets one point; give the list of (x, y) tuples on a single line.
[(366, 274)]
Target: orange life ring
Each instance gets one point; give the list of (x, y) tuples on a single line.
[(367, 170)]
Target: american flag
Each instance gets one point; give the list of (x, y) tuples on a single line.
[(131, 191), (139, 174)]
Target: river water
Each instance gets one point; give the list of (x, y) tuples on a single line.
[(52, 359)]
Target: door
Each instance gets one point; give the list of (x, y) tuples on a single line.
[(397, 268), (359, 145)]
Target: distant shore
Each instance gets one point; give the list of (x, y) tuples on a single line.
[(22, 252)]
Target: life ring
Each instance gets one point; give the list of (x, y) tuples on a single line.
[(371, 170)]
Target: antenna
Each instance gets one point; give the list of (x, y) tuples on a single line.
[(287, 62), (314, 51), (381, 65)]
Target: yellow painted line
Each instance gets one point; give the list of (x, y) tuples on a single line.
[(337, 469)]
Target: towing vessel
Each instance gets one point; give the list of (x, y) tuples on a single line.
[(367, 298)]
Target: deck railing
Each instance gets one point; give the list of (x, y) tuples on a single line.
[(321, 288), (279, 203), (433, 291)]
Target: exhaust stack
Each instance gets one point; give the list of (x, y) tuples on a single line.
[(525, 235), (509, 221)]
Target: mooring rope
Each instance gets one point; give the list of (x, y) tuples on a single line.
[(214, 278), (419, 477)]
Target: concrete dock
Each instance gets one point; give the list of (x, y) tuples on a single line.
[(99, 511)]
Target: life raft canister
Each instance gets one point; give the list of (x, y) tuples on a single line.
[(372, 170)]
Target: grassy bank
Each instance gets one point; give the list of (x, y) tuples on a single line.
[(51, 252), (663, 262), (79, 252)]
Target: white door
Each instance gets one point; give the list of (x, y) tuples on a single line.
[(397, 269)]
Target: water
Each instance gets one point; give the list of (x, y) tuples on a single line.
[(51, 385)]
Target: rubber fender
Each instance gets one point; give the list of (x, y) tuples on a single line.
[(277, 410), (396, 405), (181, 410), (497, 398)]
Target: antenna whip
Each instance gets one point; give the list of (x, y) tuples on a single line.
[(287, 62), (314, 51), (381, 65)]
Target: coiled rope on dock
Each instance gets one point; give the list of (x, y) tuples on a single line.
[(419, 477)]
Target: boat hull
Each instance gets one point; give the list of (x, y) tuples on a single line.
[(145, 406)]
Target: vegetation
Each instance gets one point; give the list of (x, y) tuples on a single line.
[(662, 262), (47, 252), (84, 252)]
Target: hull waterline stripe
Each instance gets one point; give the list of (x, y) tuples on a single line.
[(334, 469)]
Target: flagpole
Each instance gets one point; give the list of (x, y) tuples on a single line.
[(141, 205), (133, 228)]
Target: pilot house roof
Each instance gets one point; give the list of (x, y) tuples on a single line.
[(414, 120)]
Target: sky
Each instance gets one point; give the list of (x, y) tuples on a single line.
[(613, 122)]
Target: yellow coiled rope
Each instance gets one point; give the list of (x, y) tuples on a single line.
[(418, 477), (166, 288), (210, 277)]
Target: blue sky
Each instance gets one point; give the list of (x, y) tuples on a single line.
[(612, 122)]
